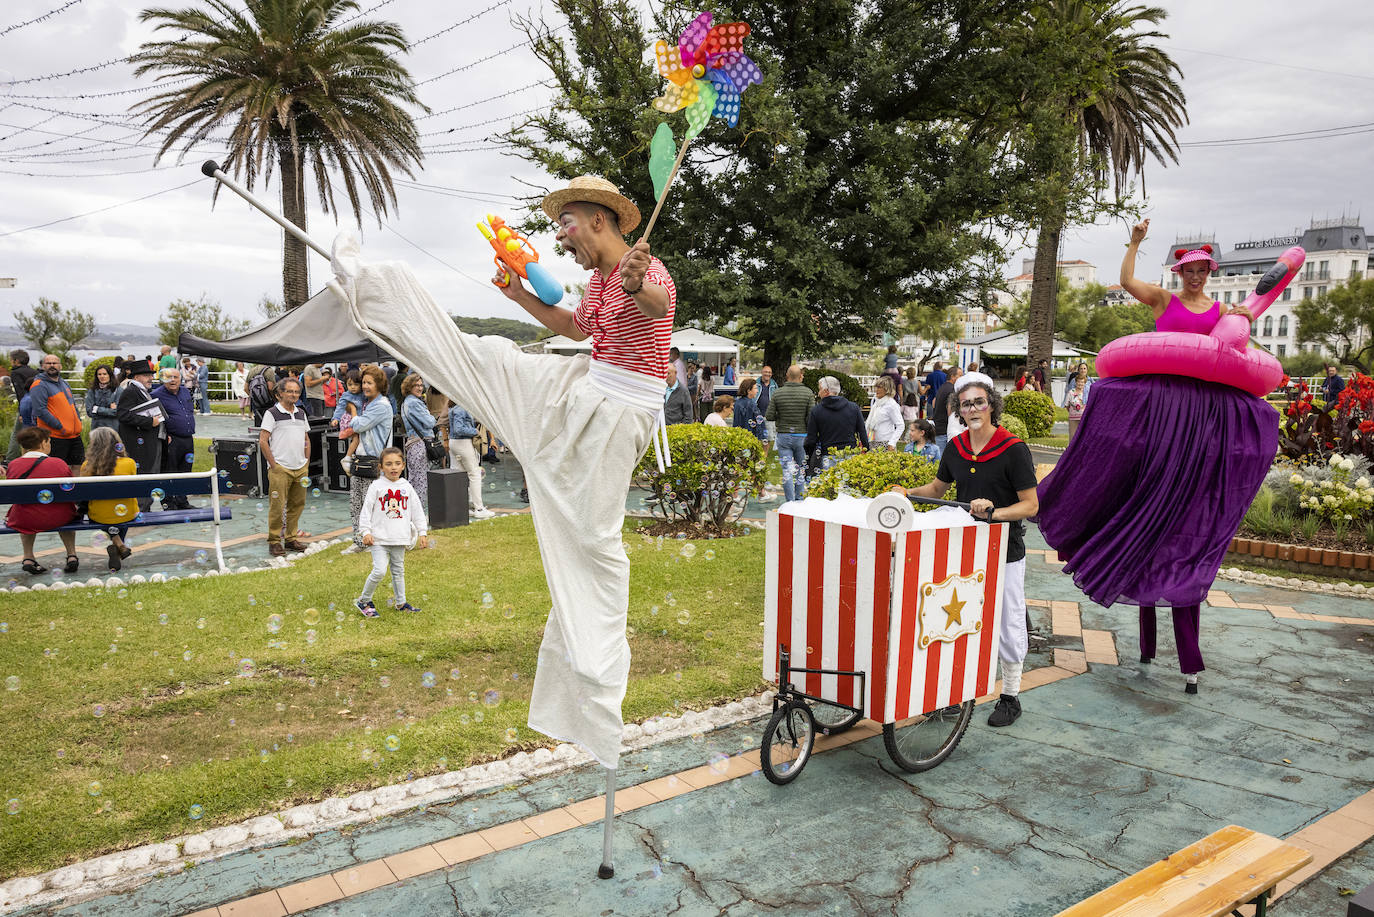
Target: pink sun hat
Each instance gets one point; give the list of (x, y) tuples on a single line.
[(1184, 256)]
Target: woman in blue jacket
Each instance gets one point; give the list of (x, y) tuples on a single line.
[(373, 428)]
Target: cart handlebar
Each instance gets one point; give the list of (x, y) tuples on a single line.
[(955, 503)]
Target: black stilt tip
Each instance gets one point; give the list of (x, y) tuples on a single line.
[(605, 871), (208, 168), (1145, 660), (1190, 688)]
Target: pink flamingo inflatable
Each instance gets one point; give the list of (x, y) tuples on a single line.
[(1222, 356)]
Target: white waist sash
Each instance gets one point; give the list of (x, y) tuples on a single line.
[(638, 391)]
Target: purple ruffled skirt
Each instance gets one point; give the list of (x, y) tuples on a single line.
[(1144, 502)]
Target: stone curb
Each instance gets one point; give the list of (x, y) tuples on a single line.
[(126, 869), (1354, 590)]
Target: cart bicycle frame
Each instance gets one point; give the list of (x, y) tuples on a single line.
[(787, 693)]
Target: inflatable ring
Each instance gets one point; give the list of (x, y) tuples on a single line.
[(1222, 356)]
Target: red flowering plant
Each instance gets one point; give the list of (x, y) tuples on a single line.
[(1312, 434)]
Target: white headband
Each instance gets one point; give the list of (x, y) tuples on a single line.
[(968, 379)]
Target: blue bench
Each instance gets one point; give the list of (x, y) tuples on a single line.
[(130, 487)]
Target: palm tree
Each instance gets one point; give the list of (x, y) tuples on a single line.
[(297, 82), (1132, 116)]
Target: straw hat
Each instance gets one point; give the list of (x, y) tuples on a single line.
[(590, 189)]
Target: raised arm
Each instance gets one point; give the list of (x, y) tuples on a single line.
[(1152, 295)]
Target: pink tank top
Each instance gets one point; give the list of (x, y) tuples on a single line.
[(1178, 317)]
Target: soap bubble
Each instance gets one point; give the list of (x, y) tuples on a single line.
[(487, 600), (98, 711), (138, 606), (12, 683), (93, 788), (305, 483), (491, 697), (689, 550), (454, 673), (200, 624), (247, 668), (202, 556), (69, 485), (719, 762), (512, 734), (427, 679), (311, 636), (45, 496), (311, 616), (122, 594), (508, 611), (187, 656), (684, 616), (99, 540), (162, 618), (709, 555), (196, 812), (4, 627), (653, 609), (478, 716), (12, 806), (274, 623), (315, 492), (384, 681), (158, 494), (392, 743)]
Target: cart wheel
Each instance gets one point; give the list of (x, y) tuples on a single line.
[(832, 720), (928, 741), (787, 741)]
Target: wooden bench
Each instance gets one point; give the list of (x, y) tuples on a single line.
[(1212, 878), (127, 487)]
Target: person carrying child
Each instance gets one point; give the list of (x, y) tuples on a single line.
[(349, 405), (393, 519)]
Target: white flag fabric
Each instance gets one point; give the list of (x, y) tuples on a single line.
[(578, 448)]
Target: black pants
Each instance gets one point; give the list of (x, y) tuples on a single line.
[(178, 455)]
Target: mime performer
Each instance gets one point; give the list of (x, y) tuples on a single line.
[(578, 425)]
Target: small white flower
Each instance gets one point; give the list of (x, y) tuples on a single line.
[(1295, 479), (1334, 460), (1362, 482), (1348, 464)]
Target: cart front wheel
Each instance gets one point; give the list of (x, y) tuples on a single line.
[(787, 741), (929, 740), (832, 719)]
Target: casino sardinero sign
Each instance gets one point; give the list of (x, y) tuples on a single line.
[(1276, 242)]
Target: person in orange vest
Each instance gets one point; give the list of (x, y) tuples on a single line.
[(54, 410)]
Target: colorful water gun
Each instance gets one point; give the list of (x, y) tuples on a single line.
[(514, 253), (706, 74)]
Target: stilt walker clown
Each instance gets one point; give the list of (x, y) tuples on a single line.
[(578, 425)]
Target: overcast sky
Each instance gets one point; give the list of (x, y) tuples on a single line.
[(1252, 68)]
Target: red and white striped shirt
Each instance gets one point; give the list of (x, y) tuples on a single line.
[(621, 334)]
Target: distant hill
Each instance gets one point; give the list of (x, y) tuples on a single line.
[(518, 331), (106, 336)]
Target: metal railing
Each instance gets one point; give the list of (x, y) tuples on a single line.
[(218, 385)]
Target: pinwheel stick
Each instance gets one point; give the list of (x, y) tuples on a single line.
[(667, 186)]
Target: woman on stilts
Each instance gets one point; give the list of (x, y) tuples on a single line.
[(1145, 500)]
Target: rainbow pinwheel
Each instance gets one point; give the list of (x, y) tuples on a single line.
[(706, 73)]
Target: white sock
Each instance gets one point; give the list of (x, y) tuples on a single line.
[(1011, 678), (1192, 679)]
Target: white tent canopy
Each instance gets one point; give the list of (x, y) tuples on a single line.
[(694, 343), (1009, 344)]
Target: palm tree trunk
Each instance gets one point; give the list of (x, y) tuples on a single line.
[(295, 270), (1044, 298)]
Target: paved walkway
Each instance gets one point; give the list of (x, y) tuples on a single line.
[(1112, 767)]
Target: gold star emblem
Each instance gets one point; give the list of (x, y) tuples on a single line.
[(953, 610)]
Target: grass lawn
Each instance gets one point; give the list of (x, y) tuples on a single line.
[(163, 709), (1057, 441)]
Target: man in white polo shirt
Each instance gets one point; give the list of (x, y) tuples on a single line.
[(285, 444)]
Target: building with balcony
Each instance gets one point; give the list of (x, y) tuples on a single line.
[(1336, 249), (1076, 274)]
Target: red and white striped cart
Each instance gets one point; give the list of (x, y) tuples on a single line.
[(890, 625)]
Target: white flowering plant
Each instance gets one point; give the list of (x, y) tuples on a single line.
[(1338, 491)]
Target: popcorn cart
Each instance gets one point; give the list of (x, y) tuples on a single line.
[(893, 621)]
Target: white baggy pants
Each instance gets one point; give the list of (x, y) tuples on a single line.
[(578, 446)]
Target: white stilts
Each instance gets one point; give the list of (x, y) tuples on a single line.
[(607, 865)]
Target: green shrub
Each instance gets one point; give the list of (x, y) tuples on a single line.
[(96, 364), (868, 474), (1036, 409), (849, 386), (1015, 426), (714, 470)]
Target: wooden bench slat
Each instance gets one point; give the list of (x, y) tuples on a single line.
[(1233, 864)]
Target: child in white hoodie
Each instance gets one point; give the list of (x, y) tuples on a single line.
[(392, 519)]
